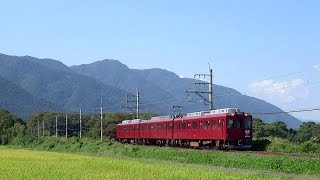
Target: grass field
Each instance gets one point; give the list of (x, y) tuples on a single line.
[(29, 164), (285, 164)]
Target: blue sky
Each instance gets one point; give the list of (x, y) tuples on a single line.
[(245, 41)]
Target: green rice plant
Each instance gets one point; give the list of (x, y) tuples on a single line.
[(28, 164), (243, 160)]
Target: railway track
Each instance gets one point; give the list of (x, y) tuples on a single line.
[(265, 153)]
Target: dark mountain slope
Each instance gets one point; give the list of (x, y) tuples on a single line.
[(114, 73), (20, 102), (169, 83), (69, 91)]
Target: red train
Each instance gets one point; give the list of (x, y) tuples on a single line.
[(220, 128)]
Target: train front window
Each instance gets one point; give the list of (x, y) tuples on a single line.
[(248, 123), (230, 123)]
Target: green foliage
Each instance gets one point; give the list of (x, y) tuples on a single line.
[(10, 127), (275, 129), (27, 164), (283, 145), (309, 131), (226, 159), (90, 123)]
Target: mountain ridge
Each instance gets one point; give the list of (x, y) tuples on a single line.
[(82, 86), (171, 83)]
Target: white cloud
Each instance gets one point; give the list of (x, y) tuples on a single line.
[(181, 76), (317, 67), (285, 91), (297, 82)]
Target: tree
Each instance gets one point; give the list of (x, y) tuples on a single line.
[(258, 128), (308, 131), (10, 126)]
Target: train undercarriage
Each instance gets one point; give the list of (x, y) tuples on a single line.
[(209, 144)]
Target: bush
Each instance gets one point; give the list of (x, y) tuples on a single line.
[(4, 139), (310, 147), (260, 144)]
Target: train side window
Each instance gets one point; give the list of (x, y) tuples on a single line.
[(230, 123), (213, 124), (194, 125), (206, 124), (219, 123), (239, 124), (248, 123), (183, 125)]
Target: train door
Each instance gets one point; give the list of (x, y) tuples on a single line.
[(193, 129), (183, 130), (221, 128), (205, 132)]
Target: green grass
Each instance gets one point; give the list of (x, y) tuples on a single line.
[(282, 145), (242, 160), (28, 164)]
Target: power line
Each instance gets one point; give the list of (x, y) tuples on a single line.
[(264, 91), (290, 111), (285, 75)]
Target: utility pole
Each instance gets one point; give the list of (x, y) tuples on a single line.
[(42, 128), (200, 93), (56, 126), (101, 117), (137, 99), (210, 89), (80, 124), (66, 125), (38, 129), (130, 99)]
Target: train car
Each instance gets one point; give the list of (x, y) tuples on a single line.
[(220, 128)]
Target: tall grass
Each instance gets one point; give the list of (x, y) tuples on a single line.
[(282, 145)]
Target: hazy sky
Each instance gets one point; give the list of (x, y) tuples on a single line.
[(245, 41)]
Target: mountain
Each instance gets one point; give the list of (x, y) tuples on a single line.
[(164, 89), (30, 84), (56, 83), (114, 73), (19, 101)]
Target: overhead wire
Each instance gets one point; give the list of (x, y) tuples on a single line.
[(290, 111)]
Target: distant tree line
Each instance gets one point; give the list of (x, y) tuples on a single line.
[(44, 124), (308, 131)]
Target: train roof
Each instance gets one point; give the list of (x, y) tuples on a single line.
[(215, 112)]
